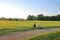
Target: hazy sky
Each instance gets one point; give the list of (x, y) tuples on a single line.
[(23, 8)]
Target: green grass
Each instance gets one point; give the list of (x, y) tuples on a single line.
[(15, 26), (47, 36), (21, 24)]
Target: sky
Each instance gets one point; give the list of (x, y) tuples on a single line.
[(23, 8)]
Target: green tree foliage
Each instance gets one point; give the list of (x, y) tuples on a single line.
[(42, 17), (31, 17), (10, 19)]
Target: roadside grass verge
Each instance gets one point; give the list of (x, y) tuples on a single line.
[(47, 36), (5, 31)]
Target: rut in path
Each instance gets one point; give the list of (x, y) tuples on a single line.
[(23, 35)]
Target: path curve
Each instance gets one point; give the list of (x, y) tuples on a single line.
[(23, 35)]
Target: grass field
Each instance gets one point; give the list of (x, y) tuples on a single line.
[(47, 36), (17, 24), (12, 26)]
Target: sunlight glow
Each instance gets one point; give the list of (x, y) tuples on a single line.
[(10, 12)]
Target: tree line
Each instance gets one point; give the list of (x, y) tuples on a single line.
[(33, 17), (42, 17), (11, 19)]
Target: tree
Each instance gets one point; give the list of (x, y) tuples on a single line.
[(16, 19), (57, 17), (40, 17), (2, 18), (53, 18), (10, 19), (31, 17)]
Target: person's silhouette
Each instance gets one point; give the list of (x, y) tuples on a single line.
[(34, 25)]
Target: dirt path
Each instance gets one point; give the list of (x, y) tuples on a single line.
[(22, 35)]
